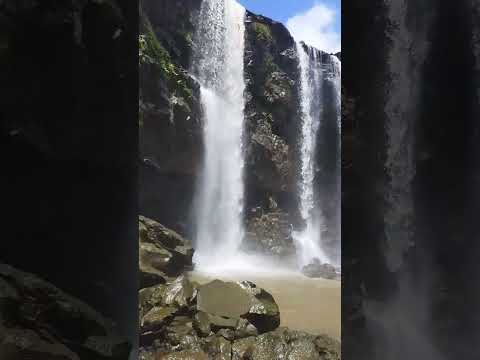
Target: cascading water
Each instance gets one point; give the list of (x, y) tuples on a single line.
[(309, 239), (330, 189), (218, 65)]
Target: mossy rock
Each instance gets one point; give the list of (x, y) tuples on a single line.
[(157, 317), (262, 32), (184, 355)]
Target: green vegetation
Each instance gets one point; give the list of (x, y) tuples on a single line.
[(270, 65), (263, 32), (151, 51)]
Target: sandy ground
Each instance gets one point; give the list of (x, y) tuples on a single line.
[(311, 305)]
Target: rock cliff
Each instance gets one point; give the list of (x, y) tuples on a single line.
[(171, 124)]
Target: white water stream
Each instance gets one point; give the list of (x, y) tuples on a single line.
[(218, 59), (313, 76)]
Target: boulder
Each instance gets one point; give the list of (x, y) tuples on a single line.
[(158, 304), (286, 344), (180, 293), (163, 253), (318, 270), (243, 348), (228, 302), (183, 355), (149, 298), (157, 317)]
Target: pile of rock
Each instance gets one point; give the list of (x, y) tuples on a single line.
[(38, 321), (316, 269), (180, 319), (164, 254)]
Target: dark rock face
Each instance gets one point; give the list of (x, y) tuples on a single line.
[(271, 69), (170, 113), (39, 321)]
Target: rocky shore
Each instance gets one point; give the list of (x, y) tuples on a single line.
[(181, 319)]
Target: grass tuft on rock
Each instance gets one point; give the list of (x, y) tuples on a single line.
[(263, 32)]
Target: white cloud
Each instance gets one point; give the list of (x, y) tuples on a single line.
[(316, 28)]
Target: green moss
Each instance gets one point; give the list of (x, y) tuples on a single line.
[(270, 65), (262, 32), (152, 52)]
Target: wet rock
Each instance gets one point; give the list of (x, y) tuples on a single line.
[(286, 344), (278, 88), (328, 348), (270, 233), (178, 329), (318, 270), (269, 155), (225, 299), (202, 324), (227, 334), (163, 253), (151, 260), (157, 317), (245, 329), (264, 313), (228, 302), (220, 322), (184, 355), (150, 297), (180, 292), (243, 348)]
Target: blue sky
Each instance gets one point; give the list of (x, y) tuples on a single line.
[(317, 22)]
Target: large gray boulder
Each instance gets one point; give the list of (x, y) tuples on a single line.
[(227, 303), (160, 305)]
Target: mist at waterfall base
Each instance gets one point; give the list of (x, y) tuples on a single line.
[(218, 65)]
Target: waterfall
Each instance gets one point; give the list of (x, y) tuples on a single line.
[(333, 79), (308, 240), (218, 58)]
